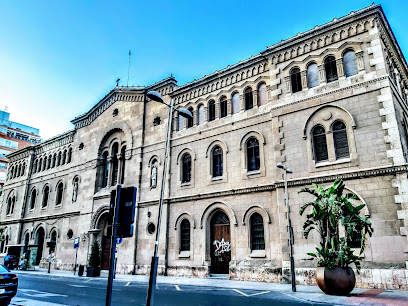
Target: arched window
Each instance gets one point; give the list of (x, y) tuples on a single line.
[(341, 147), (59, 159), (186, 168), (10, 205), (185, 235), (53, 241), (44, 163), (75, 189), (153, 174), (49, 162), (23, 169), (33, 198), (331, 69), (249, 98), (180, 121), (223, 107), (313, 75), (35, 166), (115, 163), (60, 190), (46, 193), (319, 144), (123, 163), (350, 64), (257, 232), (211, 110), (54, 160), (26, 239), (235, 103), (69, 155), (201, 115), (217, 166), (40, 165), (190, 119), (105, 169), (262, 94), (253, 160), (295, 80), (64, 157)]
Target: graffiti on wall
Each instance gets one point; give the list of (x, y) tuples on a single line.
[(221, 247)]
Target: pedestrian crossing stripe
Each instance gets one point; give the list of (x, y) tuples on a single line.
[(248, 295)]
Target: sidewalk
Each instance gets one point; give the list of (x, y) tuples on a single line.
[(312, 294)]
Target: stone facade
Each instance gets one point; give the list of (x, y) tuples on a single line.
[(127, 131)]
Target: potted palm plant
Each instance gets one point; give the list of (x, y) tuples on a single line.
[(329, 211), (93, 269)]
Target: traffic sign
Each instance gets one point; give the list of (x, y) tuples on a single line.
[(76, 243), (119, 240)]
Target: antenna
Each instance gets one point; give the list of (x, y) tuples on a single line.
[(130, 54)]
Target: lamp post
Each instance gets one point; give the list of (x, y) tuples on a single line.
[(155, 96), (292, 262)]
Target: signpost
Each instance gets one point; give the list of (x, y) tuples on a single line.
[(76, 246)]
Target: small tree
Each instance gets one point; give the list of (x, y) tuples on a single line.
[(95, 255), (329, 209)]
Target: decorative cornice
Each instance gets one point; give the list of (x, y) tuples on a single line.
[(42, 218), (358, 174), (55, 142)]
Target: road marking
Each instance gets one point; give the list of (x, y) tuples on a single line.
[(79, 286), (248, 295), (128, 283), (177, 287), (37, 293), (88, 280)]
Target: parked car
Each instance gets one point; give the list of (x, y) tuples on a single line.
[(8, 285)]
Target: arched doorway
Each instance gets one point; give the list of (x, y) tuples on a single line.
[(220, 243), (105, 240), (39, 241)]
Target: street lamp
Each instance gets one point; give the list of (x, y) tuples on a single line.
[(292, 262), (155, 96)]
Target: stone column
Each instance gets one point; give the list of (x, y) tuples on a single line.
[(304, 80), (340, 67), (242, 102), (287, 82), (121, 160), (229, 106), (255, 98), (360, 61), (195, 117), (205, 114), (322, 75), (217, 110)]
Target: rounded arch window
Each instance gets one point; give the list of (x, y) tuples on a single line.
[(235, 103), (70, 233), (115, 163), (151, 228), (201, 115), (46, 193), (295, 80), (185, 235), (249, 98), (253, 158), (350, 64), (33, 198), (262, 94), (223, 107), (190, 119), (319, 144), (217, 162), (211, 110), (257, 232), (153, 174), (313, 75), (60, 190), (186, 168), (341, 147), (330, 69)]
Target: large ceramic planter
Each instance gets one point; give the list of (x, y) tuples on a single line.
[(338, 281)]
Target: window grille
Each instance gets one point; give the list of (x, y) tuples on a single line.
[(185, 235), (217, 162), (331, 69), (296, 80), (340, 140), (186, 168), (319, 144), (253, 154), (257, 232)]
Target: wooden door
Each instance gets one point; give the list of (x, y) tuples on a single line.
[(106, 246), (220, 244)]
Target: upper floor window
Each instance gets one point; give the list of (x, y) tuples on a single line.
[(46, 192), (295, 80), (123, 164), (331, 69), (115, 164), (185, 235), (64, 157), (262, 94), (75, 189), (201, 115), (153, 174), (186, 168), (10, 205), (59, 159), (253, 160), (235, 103), (69, 157), (180, 122), (60, 190), (249, 99), (35, 166), (190, 119), (341, 147), (319, 144), (257, 232), (54, 160), (350, 64), (33, 198), (211, 110), (217, 167), (313, 75), (105, 169), (223, 107)]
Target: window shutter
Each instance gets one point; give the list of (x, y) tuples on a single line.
[(340, 140), (319, 144)]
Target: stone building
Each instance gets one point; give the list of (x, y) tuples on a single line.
[(330, 103)]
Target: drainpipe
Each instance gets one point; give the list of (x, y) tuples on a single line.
[(139, 184), (27, 184)]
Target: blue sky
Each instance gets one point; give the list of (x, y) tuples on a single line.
[(58, 58)]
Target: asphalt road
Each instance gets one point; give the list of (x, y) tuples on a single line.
[(55, 290)]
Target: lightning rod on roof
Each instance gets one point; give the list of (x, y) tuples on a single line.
[(130, 54)]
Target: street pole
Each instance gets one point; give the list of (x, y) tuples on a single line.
[(155, 259), (292, 262), (113, 246), (76, 258)]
